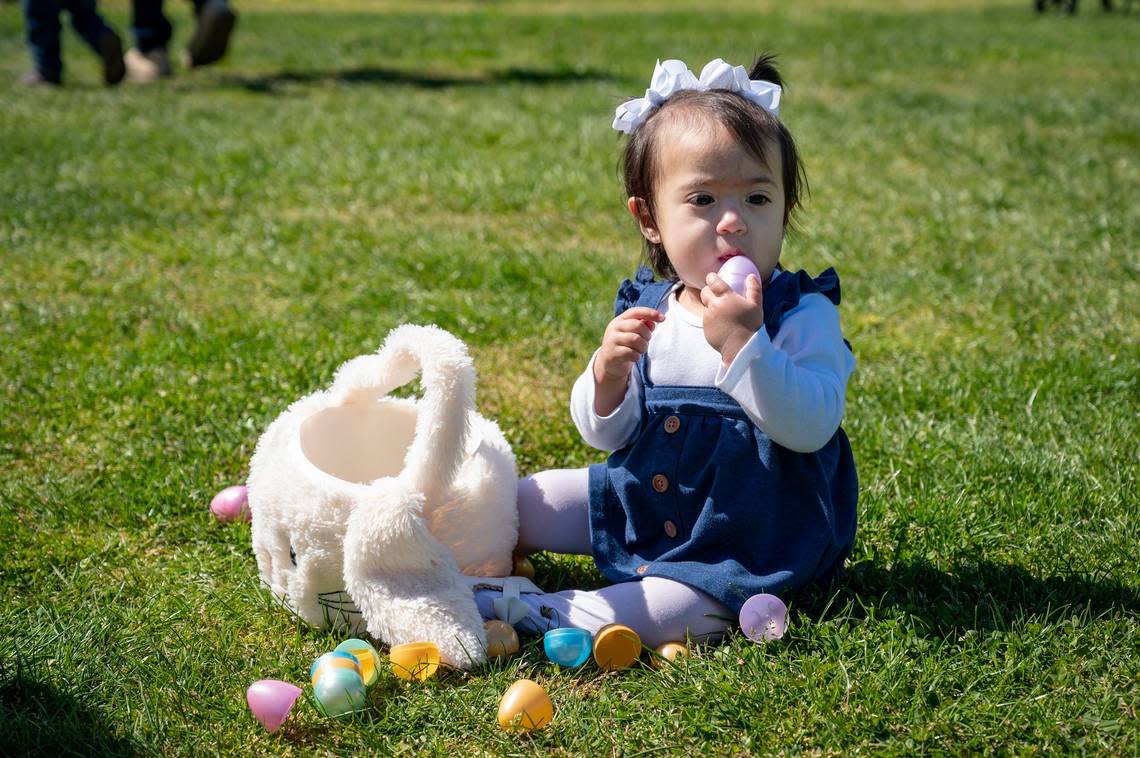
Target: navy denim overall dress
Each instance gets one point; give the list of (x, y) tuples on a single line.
[(703, 497)]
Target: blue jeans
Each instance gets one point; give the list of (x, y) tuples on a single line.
[(41, 18), (149, 25)]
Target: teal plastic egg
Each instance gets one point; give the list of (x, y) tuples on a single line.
[(366, 656), (567, 647), (340, 691)]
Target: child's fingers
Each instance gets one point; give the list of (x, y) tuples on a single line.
[(752, 289), (636, 341), (627, 355), (643, 313), (706, 295), (641, 320), (717, 285)]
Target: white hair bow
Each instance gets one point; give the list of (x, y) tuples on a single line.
[(672, 76)]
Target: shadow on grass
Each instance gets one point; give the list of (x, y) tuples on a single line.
[(378, 75), (982, 596), (36, 719)]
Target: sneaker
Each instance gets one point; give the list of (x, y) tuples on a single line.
[(35, 79), (111, 51), (148, 67), (211, 34)]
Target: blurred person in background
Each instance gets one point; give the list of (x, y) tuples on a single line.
[(149, 59), (43, 30)]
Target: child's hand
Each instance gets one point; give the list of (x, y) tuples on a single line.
[(625, 341), (731, 319)]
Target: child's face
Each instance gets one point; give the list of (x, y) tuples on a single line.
[(715, 200)]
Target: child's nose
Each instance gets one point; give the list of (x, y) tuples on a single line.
[(731, 222)]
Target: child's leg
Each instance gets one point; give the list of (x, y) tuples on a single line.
[(554, 515), (660, 610), (554, 512), (41, 20)]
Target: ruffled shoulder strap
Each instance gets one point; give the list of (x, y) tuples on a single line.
[(785, 291), (641, 290)]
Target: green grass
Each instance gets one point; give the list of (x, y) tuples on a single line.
[(178, 263)]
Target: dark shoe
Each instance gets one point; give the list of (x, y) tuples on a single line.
[(111, 51), (35, 79), (211, 34)]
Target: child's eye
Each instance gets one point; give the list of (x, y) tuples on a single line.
[(701, 199), (758, 198)]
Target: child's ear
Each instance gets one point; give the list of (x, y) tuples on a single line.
[(640, 211)]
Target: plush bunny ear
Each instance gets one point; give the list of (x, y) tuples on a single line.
[(448, 378), (407, 584)]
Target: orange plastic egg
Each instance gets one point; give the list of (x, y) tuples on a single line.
[(502, 639), (525, 706), (670, 651)]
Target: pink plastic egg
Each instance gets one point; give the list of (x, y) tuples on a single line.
[(764, 618), (231, 504), (270, 700), (735, 272)]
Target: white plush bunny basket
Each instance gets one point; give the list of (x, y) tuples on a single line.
[(370, 510)]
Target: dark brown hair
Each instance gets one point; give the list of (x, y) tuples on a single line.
[(754, 127)]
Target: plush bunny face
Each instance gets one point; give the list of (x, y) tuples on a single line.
[(299, 517)]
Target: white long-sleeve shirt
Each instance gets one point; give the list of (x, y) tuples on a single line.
[(792, 387)]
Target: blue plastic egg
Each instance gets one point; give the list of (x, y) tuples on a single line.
[(567, 647), (338, 659), (340, 691)]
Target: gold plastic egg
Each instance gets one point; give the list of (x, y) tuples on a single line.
[(523, 567), (670, 651), (502, 639), (414, 660), (525, 706), (616, 647)]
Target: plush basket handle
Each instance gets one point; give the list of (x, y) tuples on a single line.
[(448, 380)]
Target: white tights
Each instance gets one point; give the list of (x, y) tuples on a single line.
[(554, 516)]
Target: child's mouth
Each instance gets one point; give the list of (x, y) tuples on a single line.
[(726, 256)]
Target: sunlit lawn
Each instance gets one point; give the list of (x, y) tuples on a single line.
[(179, 263)]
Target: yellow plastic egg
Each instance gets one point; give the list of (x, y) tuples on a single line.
[(523, 567), (502, 639), (414, 660), (670, 651), (366, 656), (525, 706), (616, 647)]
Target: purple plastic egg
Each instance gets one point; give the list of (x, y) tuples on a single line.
[(231, 504), (764, 618), (270, 700), (735, 272)]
